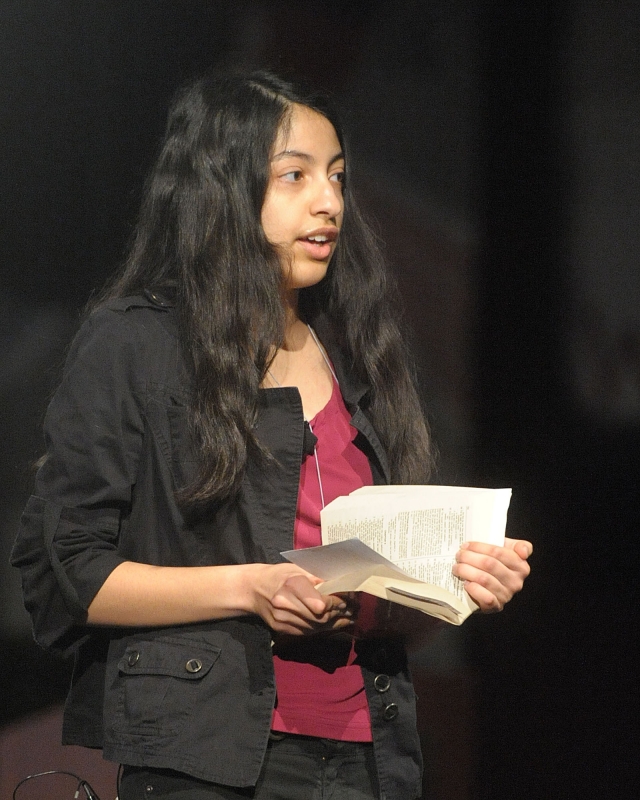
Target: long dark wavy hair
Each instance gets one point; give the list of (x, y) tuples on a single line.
[(200, 230)]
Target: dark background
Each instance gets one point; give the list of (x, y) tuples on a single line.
[(498, 151)]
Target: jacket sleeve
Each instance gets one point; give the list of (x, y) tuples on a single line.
[(68, 538)]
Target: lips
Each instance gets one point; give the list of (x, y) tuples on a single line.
[(318, 244)]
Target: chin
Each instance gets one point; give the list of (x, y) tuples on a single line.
[(302, 277)]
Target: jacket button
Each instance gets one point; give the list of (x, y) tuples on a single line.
[(390, 712), (133, 658), (193, 665), (382, 683)]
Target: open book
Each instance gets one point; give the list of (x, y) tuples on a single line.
[(399, 543)]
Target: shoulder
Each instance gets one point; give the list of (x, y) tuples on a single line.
[(135, 318), (137, 334), (147, 310)]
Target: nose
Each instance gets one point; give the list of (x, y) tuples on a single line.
[(327, 199)]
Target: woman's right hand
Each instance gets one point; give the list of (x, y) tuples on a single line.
[(284, 595), (286, 598)]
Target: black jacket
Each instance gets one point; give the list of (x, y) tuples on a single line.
[(194, 698)]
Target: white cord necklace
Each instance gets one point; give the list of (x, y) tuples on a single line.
[(277, 382)]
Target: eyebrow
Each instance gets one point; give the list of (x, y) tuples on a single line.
[(305, 156)]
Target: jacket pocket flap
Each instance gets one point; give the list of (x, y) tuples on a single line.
[(177, 659)]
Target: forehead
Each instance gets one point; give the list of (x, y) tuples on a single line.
[(307, 131)]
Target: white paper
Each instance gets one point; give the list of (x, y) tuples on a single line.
[(419, 528)]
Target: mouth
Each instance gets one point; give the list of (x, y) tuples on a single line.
[(319, 243)]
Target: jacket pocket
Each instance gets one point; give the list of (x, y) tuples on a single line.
[(157, 683)]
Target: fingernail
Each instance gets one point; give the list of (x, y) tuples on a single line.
[(342, 606)]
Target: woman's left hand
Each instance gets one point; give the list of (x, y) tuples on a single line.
[(493, 574)]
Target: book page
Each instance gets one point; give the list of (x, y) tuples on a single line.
[(419, 528), (337, 559)]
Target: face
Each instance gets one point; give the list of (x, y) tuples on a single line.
[(303, 206)]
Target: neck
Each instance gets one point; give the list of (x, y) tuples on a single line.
[(294, 325)]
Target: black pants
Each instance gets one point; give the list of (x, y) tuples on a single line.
[(295, 768)]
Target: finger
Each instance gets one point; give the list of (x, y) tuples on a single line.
[(340, 613), (482, 555), (298, 597), (485, 599), (284, 621), (287, 615), (335, 601), (340, 622), (491, 571), (521, 546), (305, 596), (503, 590), (516, 543)]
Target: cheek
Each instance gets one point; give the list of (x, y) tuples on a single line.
[(271, 221)]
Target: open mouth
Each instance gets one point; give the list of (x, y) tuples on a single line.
[(318, 245)]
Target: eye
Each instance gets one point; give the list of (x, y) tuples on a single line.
[(293, 176), (337, 177)]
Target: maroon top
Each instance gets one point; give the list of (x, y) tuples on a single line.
[(320, 689)]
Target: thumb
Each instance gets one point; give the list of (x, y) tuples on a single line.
[(306, 592), (523, 548)]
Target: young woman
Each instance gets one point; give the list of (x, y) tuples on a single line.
[(242, 371)]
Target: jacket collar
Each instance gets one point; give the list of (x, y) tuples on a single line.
[(353, 389)]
